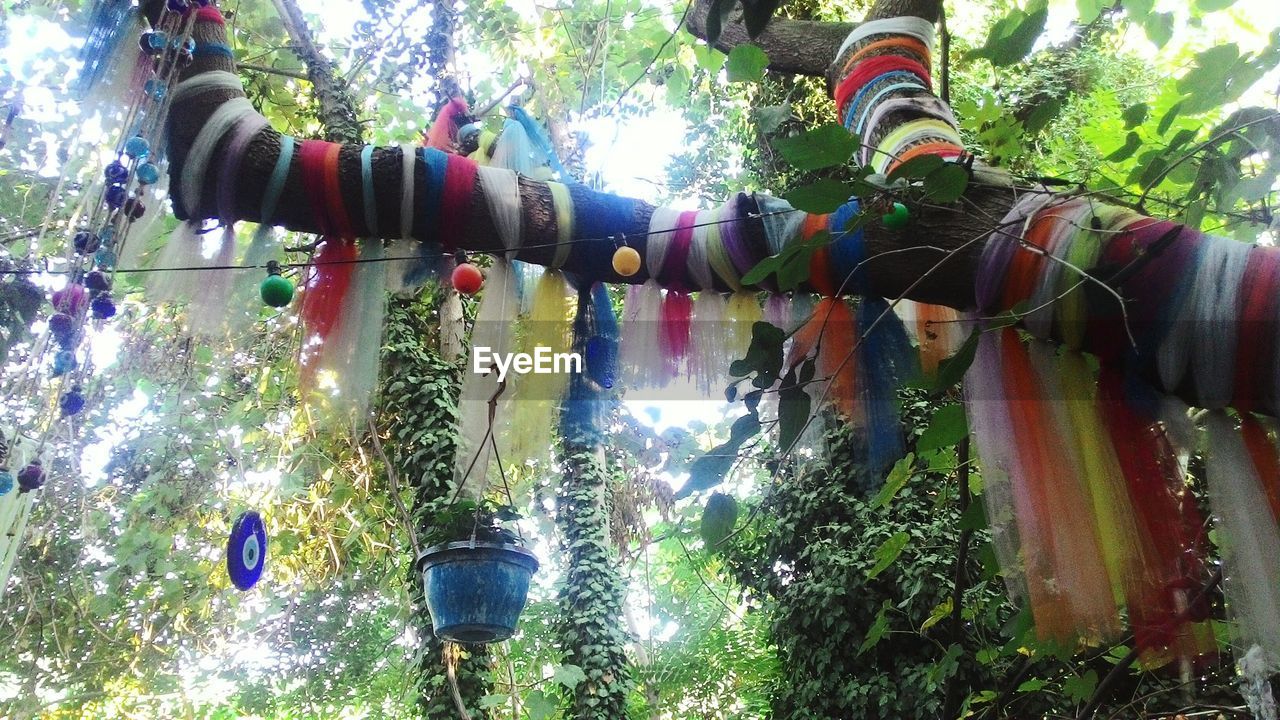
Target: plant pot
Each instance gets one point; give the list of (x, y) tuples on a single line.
[(475, 592)]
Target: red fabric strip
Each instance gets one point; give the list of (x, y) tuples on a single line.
[(1255, 348), (456, 199)]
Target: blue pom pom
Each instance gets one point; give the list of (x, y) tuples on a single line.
[(246, 550)]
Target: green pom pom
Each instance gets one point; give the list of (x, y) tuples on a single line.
[(897, 218), (276, 291)]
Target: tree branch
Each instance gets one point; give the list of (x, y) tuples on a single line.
[(337, 111)]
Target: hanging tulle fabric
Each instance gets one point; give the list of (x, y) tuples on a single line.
[(644, 362), (595, 338), (514, 151), (887, 363), (177, 276), (350, 353), (479, 424), (546, 335), (1250, 541), (540, 142)]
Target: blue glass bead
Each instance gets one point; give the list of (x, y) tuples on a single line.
[(137, 147), (116, 172), (105, 258), (97, 281), (155, 89), (64, 362), (72, 402), (116, 196), (103, 307), (148, 173), (86, 242), (6, 482), (189, 46), (153, 43), (107, 236)]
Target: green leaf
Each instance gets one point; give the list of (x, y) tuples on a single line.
[(823, 196), (1032, 685), (568, 675), (746, 64), (1213, 5), (948, 427), (762, 270), (1159, 28), (888, 551), (709, 470), (1090, 10), (794, 405), (539, 706), (940, 611), (822, 147), (877, 630), (917, 167), (1044, 114), (1135, 115), (1167, 121), (896, 480), (947, 183), (757, 13), (1013, 36), (771, 117), (1079, 688), (1131, 144), (974, 517), (718, 518), (952, 370)]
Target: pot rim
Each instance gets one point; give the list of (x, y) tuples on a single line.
[(468, 545)]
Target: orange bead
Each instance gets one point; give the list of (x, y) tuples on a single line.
[(626, 261)]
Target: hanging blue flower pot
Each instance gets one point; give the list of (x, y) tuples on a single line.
[(476, 591)]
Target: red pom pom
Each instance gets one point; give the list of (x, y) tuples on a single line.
[(467, 279)]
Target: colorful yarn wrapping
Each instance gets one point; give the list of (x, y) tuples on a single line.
[(444, 131), (915, 27), (867, 70), (562, 205), (595, 338), (539, 141), (998, 253), (195, 167), (409, 164), (1249, 538)]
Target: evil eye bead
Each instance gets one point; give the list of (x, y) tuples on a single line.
[(246, 550)]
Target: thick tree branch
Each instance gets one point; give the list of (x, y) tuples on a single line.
[(337, 111), (799, 47)]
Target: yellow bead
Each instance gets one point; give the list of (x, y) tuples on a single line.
[(626, 261)]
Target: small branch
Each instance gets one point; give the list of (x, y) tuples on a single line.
[(488, 108), (274, 71)]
